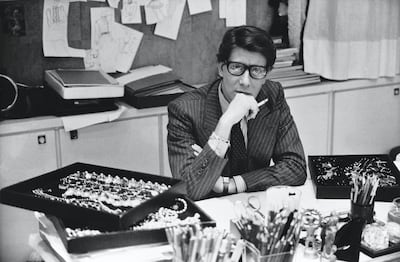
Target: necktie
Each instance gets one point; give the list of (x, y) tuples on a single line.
[(238, 152)]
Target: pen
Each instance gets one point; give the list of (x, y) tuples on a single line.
[(237, 252), (262, 102)]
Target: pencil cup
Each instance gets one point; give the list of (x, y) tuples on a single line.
[(252, 254), (363, 212)]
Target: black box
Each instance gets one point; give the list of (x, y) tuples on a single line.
[(115, 239), (21, 195), (154, 91), (328, 174)]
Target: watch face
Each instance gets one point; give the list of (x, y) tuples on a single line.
[(8, 93)]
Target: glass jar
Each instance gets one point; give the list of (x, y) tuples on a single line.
[(394, 212)]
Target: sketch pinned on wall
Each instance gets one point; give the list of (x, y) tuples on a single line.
[(156, 11), (113, 3), (114, 46), (55, 26), (130, 12), (128, 42), (235, 13), (169, 27), (197, 7)]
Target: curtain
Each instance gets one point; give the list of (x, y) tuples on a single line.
[(349, 39)]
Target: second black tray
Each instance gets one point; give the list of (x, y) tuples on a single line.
[(328, 174), (114, 239)]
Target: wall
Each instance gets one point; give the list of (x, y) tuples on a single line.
[(192, 55)]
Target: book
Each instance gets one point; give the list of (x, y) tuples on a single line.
[(286, 51), (280, 64), (83, 84), (287, 68), (300, 82), (286, 58)]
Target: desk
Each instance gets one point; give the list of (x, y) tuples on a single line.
[(221, 210)]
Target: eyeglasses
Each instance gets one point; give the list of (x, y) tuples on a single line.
[(238, 69)]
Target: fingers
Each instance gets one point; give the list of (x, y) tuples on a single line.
[(245, 106), (253, 113), (197, 149)]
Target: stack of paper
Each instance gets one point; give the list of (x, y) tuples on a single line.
[(287, 72), (83, 84)]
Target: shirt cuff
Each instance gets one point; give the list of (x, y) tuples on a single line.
[(240, 184), (218, 145)]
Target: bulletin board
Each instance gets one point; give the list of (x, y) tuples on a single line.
[(192, 56)]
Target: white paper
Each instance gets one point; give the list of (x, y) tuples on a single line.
[(113, 3), (196, 6), (169, 27), (128, 40), (55, 30), (235, 13), (156, 11), (222, 8), (130, 12), (79, 121), (221, 210), (142, 72)]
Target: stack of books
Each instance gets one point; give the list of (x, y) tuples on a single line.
[(287, 72), (83, 84), (152, 86)]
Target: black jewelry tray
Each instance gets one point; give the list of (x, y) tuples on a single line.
[(21, 195), (376, 253), (114, 239), (337, 186)]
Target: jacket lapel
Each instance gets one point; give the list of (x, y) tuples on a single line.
[(259, 127), (212, 109)]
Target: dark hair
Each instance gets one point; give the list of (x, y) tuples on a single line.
[(250, 38)]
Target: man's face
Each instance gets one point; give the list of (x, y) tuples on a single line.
[(245, 83)]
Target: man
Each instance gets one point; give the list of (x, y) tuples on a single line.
[(222, 137)]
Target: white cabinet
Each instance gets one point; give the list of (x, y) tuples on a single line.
[(22, 156), (131, 144), (311, 114), (366, 121)]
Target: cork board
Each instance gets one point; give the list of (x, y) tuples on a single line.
[(192, 55)]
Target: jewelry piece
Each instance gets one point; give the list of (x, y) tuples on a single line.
[(77, 232), (165, 217), (176, 206), (103, 192), (311, 222)]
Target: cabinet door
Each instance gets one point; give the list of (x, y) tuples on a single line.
[(22, 156), (129, 144), (311, 114), (366, 121)]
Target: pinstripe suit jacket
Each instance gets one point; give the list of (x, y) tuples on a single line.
[(271, 135)]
